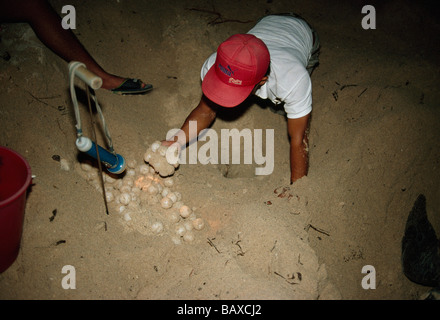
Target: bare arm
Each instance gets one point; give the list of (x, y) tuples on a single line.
[(204, 114), (298, 147)]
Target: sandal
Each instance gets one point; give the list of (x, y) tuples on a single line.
[(132, 86)]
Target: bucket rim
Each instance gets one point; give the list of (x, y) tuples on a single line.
[(26, 184)]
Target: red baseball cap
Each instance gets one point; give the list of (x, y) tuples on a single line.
[(242, 61)]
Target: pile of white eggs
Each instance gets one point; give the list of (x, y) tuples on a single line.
[(146, 199), (156, 155)]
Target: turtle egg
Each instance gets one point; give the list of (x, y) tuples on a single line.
[(86, 166), (96, 184), (109, 196), (180, 230), (121, 208), (152, 189), (178, 205), (198, 224), (125, 189), (149, 175), (168, 182), (124, 198), (155, 145), (166, 202), (185, 211), (131, 163), (145, 185), (136, 190), (159, 187), (144, 168), (178, 195), (173, 216), (131, 172), (147, 156), (176, 240), (134, 197), (91, 175), (173, 151), (188, 225), (127, 216), (64, 165), (165, 192), (119, 184), (128, 181), (188, 236), (157, 227), (109, 179), (162, 150), (172, 196)]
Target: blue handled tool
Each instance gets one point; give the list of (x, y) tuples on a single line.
[(113, 162)]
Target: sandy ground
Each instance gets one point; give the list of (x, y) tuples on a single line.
[(373, 148)]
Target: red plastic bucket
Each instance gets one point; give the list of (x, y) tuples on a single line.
[(15, 178)]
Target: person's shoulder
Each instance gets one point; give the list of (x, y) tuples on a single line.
[(211, 58), (292, 80), (209, 62), (289, 69)]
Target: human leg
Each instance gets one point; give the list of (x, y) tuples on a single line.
[(46, 24)]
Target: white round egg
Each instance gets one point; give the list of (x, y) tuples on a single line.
[(125, 198), (198, 223), (157, 227), (185, 211), (155, 145), (188, 236), (166, 203)]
